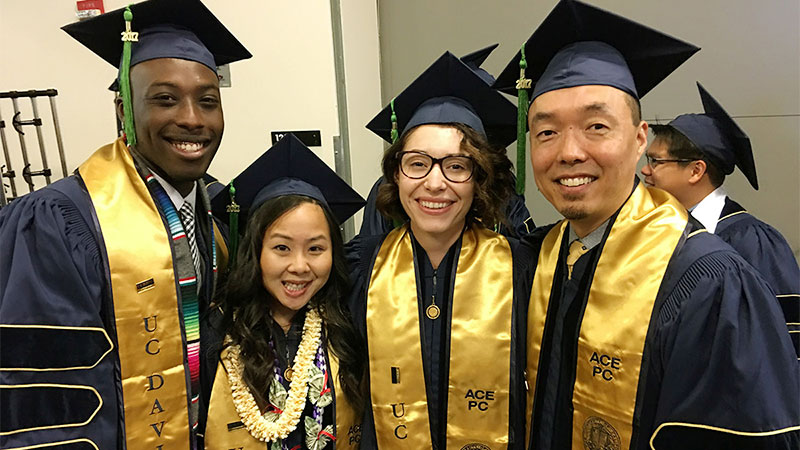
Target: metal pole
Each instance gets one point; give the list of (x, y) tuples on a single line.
[(341, 143), (37, 124), (3, 201), (10, 172), (58, 132), (348, 227), (25, 161)]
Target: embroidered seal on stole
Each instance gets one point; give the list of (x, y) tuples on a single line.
[(599, 435)]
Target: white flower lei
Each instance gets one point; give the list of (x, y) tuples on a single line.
[(261, 428)]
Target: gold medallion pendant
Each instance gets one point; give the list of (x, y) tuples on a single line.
[(432, 312), (287, 374)]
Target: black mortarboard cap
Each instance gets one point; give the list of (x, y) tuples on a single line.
[(183, 29), (718, 136), (288, 168), (475, 59), (579, 44), (449, 91)]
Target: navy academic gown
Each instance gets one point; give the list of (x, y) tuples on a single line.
[(374, 224), (361, 252), (716, 354), (765, 249), (53, 271)]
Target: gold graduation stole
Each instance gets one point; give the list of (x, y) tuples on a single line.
[(478, 394), (225, 430), (623, 291), (143, 286)]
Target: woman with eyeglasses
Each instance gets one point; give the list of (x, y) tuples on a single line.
[(437, 296)]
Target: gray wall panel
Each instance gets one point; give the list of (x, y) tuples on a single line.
[(750, 62)]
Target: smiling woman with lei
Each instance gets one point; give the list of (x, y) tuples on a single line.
[(438, 297), (291, 366)]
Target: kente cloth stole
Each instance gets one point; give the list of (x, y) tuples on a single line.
[(225, 430), (620, 302), (480, 344), (147, 310)]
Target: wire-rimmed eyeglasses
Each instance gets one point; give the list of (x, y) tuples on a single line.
[(654, 162), (455, 168)]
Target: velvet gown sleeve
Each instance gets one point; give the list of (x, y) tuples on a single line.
[(518, 216), (766, 249), (726, 368), (58, 370), (359, 253), (373, 223)]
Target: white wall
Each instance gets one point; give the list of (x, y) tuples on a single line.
[(289, 84), (750, 62), (362, 75)]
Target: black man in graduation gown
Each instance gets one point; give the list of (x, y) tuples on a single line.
[(105, 275)]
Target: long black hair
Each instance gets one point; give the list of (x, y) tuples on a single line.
[(247, 318)]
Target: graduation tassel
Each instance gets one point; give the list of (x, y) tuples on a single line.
[(233, 225), (523, 84), (395, 134), (128, 38)]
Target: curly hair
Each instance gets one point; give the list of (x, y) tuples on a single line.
[(248, 321), (493, 179)]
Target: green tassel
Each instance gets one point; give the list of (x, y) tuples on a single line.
[(523, 84), (128, 38), (395, 134), (233, 225)]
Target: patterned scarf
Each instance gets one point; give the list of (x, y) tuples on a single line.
[(187, 280)]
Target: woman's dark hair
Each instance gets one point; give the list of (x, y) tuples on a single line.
[(247, 318), (493, 179)]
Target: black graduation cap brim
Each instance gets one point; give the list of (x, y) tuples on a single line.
[(650, 54), (289, 158), (102, 34), (738, 138), (449, 76)]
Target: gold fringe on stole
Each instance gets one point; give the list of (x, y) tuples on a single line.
[(151, 349), (222, 413), (478, 398), (612, 335)]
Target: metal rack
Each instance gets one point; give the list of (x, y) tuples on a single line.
[(7, 172)]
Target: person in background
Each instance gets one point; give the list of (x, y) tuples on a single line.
[(106, 275), (644, 331), (689, 158)]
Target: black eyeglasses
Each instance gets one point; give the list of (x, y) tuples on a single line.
[(655, 162), (416, 165)]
